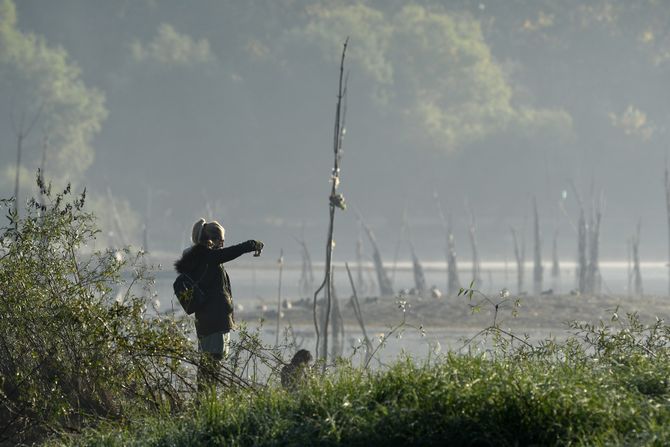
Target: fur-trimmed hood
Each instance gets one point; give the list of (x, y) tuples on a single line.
[(190, 259)]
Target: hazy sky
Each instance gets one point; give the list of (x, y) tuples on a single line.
[(225, 110)]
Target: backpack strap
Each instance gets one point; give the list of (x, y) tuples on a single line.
[(195, 283)]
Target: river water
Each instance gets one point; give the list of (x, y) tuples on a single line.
[(257, 284)]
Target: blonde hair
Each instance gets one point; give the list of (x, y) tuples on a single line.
[(196, 232), (204, 232)]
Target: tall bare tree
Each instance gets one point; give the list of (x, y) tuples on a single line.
[(582, 237), (336, 200), (359, 316), (419, 276), (401, 236), (385, 285), (472, 232), (280, 264), (306, 281), (537, 252), (337, 323), (520, 257), (360, 278), (629, 266), (637, 274), (453, 283), (593, 277), (555, 264)]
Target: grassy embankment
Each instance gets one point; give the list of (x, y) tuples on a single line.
[(612, 390)]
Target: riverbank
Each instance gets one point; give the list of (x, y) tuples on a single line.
[(547, 312)]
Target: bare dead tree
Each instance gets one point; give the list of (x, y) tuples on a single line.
[(385, 286), (336, 200), (359, 316), (520, 257), (401, 235), (629, 266), (538, 269), (360, 280), (593, 277), (472, 231), (555, 264), (280, 263), (637, 275), (453, 283), (582, 235), (337, 323), (306, 281), (21, 132), (419, 276)]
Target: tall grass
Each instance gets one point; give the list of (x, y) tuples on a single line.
[(554, 394)]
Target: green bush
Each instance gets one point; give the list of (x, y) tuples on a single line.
[(76, 342)]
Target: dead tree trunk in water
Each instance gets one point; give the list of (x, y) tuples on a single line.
[(306, 281), (537, 252), (581, 252), (555, 265), (520, 257), (453, 283), (335, 201), (337, 324), (593, 278), (476, 268), (280, 263), (385, 286), (359, 316), (360, 280), (637, 275), (629, 266), (419, 277), (582, 235)]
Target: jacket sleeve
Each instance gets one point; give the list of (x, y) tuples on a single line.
[(221, 255)]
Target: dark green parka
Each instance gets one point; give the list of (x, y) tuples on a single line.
[(205, 265)]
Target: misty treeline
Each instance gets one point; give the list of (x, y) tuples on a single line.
[(458, 85)]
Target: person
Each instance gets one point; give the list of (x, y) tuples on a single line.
[(296, 372), (215, 319)]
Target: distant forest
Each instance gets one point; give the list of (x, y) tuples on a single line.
[(170, 110)]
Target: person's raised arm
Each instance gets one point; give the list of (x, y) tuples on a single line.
[(221, 255)]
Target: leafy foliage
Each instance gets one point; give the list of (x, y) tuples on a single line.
[(75, 339), (433, 67), (42, 77)]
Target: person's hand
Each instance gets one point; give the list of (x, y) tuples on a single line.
[(255, 246)]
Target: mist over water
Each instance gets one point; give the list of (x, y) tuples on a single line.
[(253, 286)]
